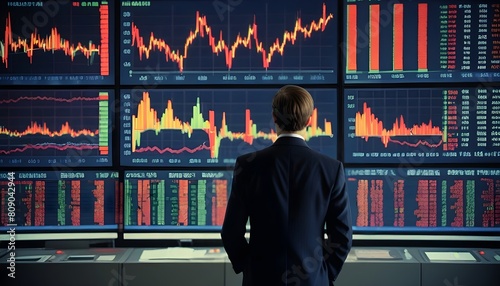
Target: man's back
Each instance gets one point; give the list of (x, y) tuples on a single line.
[(289, 192)]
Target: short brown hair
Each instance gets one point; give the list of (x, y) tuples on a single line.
[(292, 107)]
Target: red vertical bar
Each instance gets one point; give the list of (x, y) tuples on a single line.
[(104, 51), (146, 202), (422, 36), (314, 122), (7, 42), (212, 132), (27, 202), (374, 37), (352, 28), (139, 202), (362, 201), (76, 204), (422, 198), (98, 193), (398, 37), (221, 193), (496, 202), (39, 203), (248, 128), (457, 208), (3, 207), (142, 202), (183, 202), (377, 203), (432, 203), (399, 205)]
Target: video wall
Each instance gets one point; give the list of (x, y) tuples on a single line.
[(128, 116)]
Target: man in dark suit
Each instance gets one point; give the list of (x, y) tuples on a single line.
[(289, 192)]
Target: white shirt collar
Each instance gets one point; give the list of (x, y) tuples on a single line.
[(291, 135)]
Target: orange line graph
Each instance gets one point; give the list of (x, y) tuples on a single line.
[(51, 43), (367, 125), (35, 128), (203, 30), (147, 119)]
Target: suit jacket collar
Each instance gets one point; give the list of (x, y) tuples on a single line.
[(290, 141)]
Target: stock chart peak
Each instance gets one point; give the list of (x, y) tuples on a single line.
[(64, 44), (52, 43), (434, 125), (219, 46), (256, 43), (368, 125), (205, 127)]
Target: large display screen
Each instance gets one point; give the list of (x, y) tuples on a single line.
[(211, 127), (389, 41), (57, 42), (424, 199), (422, 125), (228, 42), (47, 202), (177, 200), (56, 128), (168, 94)]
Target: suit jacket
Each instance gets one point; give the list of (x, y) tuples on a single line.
[(289, 192)]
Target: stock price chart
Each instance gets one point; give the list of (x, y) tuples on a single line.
[(431, 125), (56, 42), (425, 199), (202, 127), (62, 201), (213, 42), (173, 200), (55, 128), (422, 41)]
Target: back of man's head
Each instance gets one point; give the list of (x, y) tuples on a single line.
[(292, 108)]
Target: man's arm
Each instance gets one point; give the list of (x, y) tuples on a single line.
[(235, 220), (338, 227)]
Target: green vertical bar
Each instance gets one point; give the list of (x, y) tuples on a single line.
[(470, 203), (61, 200), (153, 194), (128, 203), (202, 206), (103, 120), (192, 204), (174, 203), (197, 120), (443, 203), (161, 202)]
